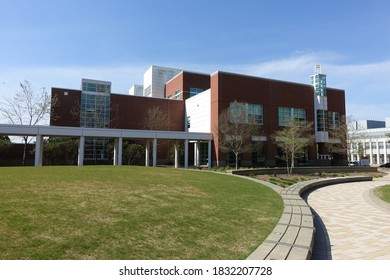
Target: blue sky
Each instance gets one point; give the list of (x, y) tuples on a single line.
[(56, 43)]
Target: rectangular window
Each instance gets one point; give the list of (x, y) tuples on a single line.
[(322, 120), (188, 121), (177, 94), (286, 114), (195, 91), (252, 113), (333, 120)]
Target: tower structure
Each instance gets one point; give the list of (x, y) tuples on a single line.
[(95, 113), (318, 81)]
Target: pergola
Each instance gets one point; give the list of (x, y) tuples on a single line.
[(118, 134)]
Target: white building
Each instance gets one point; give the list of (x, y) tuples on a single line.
[(369, 139), (155, 79), (136, 90)]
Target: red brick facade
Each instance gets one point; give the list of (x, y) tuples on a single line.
[(129, 111)]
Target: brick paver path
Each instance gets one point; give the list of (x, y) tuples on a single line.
[(356, 227)]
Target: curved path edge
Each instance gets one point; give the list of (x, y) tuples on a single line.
[(293, 236)]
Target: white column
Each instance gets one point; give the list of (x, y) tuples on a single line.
[(118, 151), (385, 150), (371, 159), (209, 159), (120, 144), (38, 150), (378, 153), (176, 154), (147, 149), (154, 152), (197, 152), (115, 161), (186, 153), (81, 151)]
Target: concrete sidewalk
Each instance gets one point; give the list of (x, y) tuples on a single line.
[(355, 226)]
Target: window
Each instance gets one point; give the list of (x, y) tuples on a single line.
[(319, 83), (188, 121), (253, 113), (195, 91), (170, 96), (285, 115), (177, 94), (322, 120), (334, 120)]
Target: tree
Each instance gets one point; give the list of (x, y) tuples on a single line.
[(96, 116), (5, 142), (132, 152), (156, 119), (28, 107), (293, 140), (61, 150), (345, 137), (235, 130)]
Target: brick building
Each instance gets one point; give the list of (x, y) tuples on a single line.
[(193, 102)]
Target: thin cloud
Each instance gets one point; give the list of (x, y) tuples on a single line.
[(366, 85)]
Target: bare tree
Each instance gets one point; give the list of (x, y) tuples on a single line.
[(293, 140), (96, 117), (28, 107), (236, 129), (156, 119), (345, 137)]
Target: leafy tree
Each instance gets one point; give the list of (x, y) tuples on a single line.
[(28, 107), (5, 142), (236, 129), (132, 152), (293, 140), (60, 150)]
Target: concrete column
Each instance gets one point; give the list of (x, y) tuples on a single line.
[(176, 154), (81, 151), (38, 150), (371, 159), (209, 159), (118, 151), (378, 153), (147, 149), (154, 152), (115, 160), (120, 147), (186, 153), (385, 150), (197, 154)]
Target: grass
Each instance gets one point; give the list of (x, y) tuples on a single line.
[(123, 212), (383, 193)]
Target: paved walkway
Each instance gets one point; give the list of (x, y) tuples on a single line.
[(349, 224)]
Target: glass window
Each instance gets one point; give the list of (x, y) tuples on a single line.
[(322, 120), (253, 113), (177, 94), (285, 115), (195, 91)]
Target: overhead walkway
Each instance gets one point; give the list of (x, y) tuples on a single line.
[(118, 134)]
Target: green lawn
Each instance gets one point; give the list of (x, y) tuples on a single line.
[(383, 193), (124, 212)]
